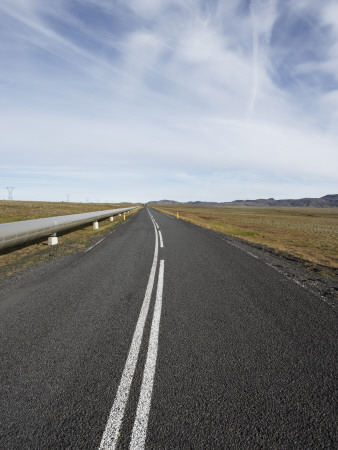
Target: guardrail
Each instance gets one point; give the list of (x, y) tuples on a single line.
[(16, 233)]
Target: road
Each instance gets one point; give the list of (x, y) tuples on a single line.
[(164, 336)]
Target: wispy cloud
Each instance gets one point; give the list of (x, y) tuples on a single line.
[(158, 95), (263, 16)]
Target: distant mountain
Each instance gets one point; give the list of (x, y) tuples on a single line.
[(328, 201), (166, 202)]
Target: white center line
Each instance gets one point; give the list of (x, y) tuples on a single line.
[(139, 434), (111, 433), (157, 225), (161, 239)]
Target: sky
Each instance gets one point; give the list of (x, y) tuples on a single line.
[(140, 100)]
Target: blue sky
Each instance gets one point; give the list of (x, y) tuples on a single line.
[(137, 100)]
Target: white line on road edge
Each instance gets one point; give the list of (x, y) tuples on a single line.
[(99, 241), (237, 246), (161, 239), (139, 434), (111, 433), (170, 217), (94, 245)]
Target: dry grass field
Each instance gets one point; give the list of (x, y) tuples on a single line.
[(14, 211), (14, 260), (307, 233)]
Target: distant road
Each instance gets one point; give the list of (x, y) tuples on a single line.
[(163, 336)]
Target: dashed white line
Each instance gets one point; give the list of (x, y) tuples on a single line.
[(111, 433), (161, 239), (157, 225), (139, 433)]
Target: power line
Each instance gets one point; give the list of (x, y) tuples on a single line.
[(10, 192)]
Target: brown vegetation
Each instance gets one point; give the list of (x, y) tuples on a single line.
[(14, 211)]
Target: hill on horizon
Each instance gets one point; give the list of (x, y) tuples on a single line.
[(327, 201)]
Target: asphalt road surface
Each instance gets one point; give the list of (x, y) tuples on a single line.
[(163, 336)]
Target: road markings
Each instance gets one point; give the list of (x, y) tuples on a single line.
[(152, 219), (170, 217), (157, 225), (94, 245), (299, 283), (139, 433), (237, 246), (161, 239), (111, 433), (228, 242), (99, 241)]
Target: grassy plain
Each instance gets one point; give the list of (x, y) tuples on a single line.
[(14, 211), (13, 260), (306, 233)]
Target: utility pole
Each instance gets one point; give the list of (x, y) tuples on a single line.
[(10, 192)]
